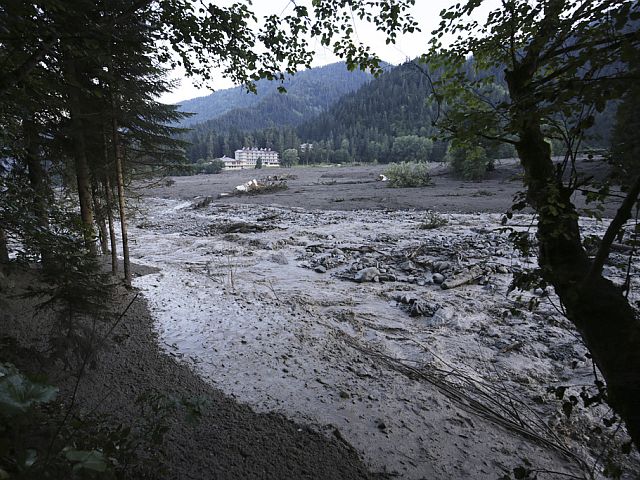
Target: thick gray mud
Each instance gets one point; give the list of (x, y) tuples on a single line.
[(338, 319)]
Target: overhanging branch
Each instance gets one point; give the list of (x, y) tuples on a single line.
[(622, 215)]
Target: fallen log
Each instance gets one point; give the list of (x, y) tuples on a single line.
[(470, 275)]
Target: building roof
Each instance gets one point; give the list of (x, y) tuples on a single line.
[(253, 149)]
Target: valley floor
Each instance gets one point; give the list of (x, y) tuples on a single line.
[(338, 319)]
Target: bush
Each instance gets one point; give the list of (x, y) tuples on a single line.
[(408, 174), (468, 161), (214, 166)]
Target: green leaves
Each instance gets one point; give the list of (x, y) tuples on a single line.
[(408, 175), (18, 394)]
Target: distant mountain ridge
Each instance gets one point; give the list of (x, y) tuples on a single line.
[(309, 93)]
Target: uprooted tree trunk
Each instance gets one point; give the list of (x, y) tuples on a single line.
[(596, 306)]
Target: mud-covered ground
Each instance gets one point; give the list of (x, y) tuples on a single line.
[(325, 304), (357, 188), (229, 441)]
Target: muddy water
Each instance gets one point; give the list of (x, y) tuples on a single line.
[(250, 313)]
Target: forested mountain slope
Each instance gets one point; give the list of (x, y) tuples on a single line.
[(366, 123), (308, 93)]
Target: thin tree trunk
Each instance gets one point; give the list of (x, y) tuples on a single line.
[(117, 153), (100, 220), (112, 229), (80, 157), (109, 207), (598, 309), (4, 249)]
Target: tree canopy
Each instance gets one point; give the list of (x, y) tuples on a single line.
[(562, 62)]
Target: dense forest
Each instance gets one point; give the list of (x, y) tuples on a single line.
[(269, 117), (388, 118)]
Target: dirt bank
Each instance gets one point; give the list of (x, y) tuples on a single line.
[(230, 441)]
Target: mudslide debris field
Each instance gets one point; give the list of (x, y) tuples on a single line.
[(393, 331)]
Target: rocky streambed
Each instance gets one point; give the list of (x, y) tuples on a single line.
[(393, 331)]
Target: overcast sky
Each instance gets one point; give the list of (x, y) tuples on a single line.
[(426, 13)]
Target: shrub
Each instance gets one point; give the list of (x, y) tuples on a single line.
[(213, 166), (408, 174), (468, 161)]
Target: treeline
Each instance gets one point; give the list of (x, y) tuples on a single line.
[(205, 144)]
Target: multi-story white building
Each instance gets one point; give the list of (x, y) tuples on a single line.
[(247, 157)]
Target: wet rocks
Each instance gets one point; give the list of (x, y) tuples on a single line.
[(442, 316), (407, 266), (329, 262), (320, 269), (244, 227), (417, 307), (442, 266), (444, 261), (369, 274), (420, 308)]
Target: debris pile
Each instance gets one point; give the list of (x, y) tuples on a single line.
[(271, 183), (444, 263)]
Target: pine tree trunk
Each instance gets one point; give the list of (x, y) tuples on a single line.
[(112, 229), (37, 180), (598, 309), (117, 153), (100, 220), (109, 207), (80, 157), (4, 249)]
